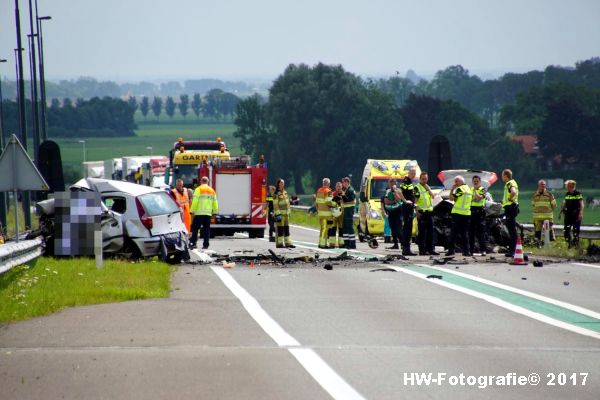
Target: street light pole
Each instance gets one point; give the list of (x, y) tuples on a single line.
[(44, 106), (34, 97), (21, 94), (2, 194)]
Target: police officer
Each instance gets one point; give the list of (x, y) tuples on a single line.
[(392, 203), (408, 210), (204, 206), (348, 203), (477, 226), (572, 207), (510, 203), (461, 213), (424, 197), (543, 203), (324, 203)]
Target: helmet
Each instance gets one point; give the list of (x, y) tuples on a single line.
[(336, 211)]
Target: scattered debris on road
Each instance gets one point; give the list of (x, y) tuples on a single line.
[(435, 277)]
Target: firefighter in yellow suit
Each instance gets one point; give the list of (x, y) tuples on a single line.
[(543, 203), (281, 207), (324, 202)]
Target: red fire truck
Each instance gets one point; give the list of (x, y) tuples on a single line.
[(241, 187)]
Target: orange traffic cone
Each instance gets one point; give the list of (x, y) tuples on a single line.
[(518, 257)]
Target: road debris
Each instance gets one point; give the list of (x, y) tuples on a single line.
[(435, 277), (383, 270), (328, 267)]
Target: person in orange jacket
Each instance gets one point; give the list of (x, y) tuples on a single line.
[(183, 201)]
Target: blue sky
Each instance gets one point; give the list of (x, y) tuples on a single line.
[(131, 40)]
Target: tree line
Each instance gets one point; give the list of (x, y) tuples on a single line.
[(324, 121), (87, 88), (105, 117), (487, 97), (215, 104)]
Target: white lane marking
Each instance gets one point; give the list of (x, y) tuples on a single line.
[(587, 265), (501, 303), (268, 324), (572, 307), (305, 228), (325, 376)]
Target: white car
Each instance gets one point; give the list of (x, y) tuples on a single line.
[(137, 220)]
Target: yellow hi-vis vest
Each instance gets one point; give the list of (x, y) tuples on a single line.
[(481, 192), (509, 184), (324, 200), (205, 201), (424, 199), (462, 205), (543, 205)]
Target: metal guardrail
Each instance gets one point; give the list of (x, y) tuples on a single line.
[(13, 254), (587, 231)]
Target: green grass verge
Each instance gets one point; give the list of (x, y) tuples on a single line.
[(48, 285), (305, 219)]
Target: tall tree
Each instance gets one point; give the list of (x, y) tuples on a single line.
[(132, 101), (170, 107), (184, 103), (145, 106), (316, 111), (197, 104), (157, 106)]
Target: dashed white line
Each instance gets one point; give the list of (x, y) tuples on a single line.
[(323, 374)]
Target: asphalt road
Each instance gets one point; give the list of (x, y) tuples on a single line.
[(364, 329)]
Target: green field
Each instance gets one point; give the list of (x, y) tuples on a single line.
[(590, 217), (159, 136)]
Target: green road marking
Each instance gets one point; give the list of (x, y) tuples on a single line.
[(537, 306)]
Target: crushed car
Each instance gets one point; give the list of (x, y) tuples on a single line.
[(497, 233), (136, 221)]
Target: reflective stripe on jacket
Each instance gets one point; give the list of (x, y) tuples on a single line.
[(205, 201), (481, 192), (424, 199), (324, 200), (281, 203), (543, 205), (510, 184), (462, 202)]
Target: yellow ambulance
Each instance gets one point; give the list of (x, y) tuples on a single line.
[(373, 184)]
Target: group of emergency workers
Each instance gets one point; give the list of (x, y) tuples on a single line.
[(335, 209), (400, 205)]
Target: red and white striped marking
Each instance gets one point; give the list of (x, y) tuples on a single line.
[(257, 209)]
